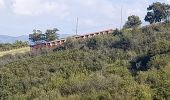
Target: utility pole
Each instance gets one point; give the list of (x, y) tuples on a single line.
[(121, 18), (77, 26)]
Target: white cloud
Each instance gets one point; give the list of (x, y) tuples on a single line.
[(106, 12), (168, 1), (88, 22), (91, 13), (2, 3), (96, 10), (39, 7)]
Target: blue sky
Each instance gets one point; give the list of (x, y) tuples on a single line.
[(20, 17)]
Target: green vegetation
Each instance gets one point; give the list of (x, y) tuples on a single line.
[(51, 34), (133, 22), (128, 64), (38, 37), (16, 45), (157, 12), (15, 51)]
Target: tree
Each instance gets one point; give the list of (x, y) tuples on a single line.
[(157, 12), (51, 34), (117, 32), (93, 43), (19, 44), (36, 36), (133, 22)]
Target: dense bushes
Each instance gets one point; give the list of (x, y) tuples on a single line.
[(158, 80), (8, 46), (133, 64), (32, 78)]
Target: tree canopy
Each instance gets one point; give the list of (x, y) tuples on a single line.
[(51, 34), (157, 12), (38, 37), (133, 21)]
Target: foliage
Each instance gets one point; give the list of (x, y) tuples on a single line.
[(17, 44), (117, 32), (129, 64), (38, 37), (133, 22), (157, 12), (51, 34)]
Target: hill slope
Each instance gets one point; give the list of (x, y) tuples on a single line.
[(128, 64), (15, 51), (10, 39)]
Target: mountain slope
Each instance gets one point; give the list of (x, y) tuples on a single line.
[(126, 65), (11, 39)]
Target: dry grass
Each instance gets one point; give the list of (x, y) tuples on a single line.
[(13, 52)]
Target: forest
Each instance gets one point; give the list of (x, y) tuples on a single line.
[(130, 64)]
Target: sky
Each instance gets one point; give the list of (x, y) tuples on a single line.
[(20, 17)]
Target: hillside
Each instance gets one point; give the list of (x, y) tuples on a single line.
[(126, 65), (15, 51)]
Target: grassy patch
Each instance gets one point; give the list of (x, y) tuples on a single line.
[(14, 51)]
